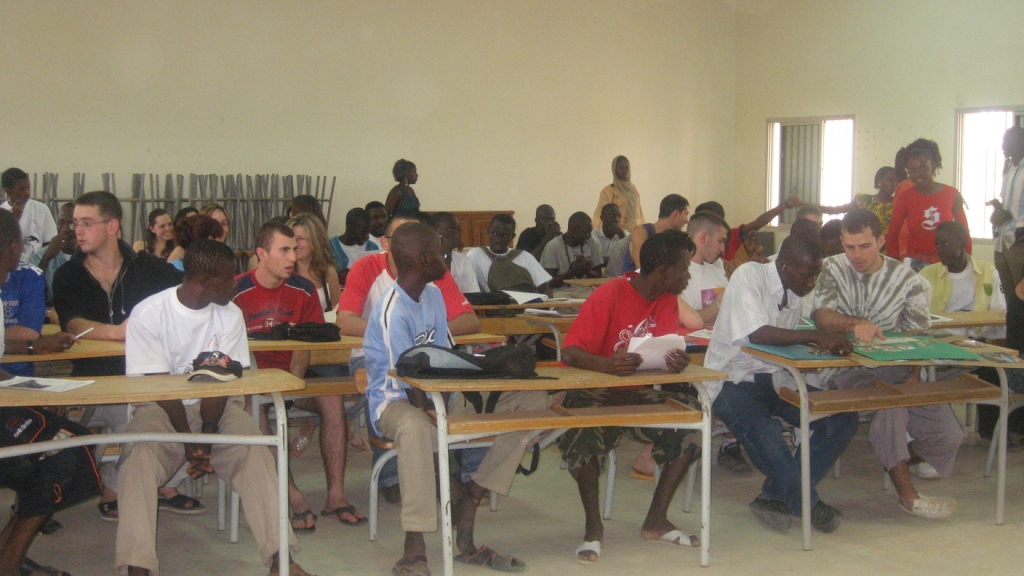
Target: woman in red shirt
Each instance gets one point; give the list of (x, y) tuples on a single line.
[(923, 207)]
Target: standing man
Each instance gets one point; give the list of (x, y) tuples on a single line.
[(1009, 208), (37, 225), (546, 229), (271, 295)]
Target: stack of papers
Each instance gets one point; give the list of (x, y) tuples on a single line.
[(654, 348), (43, 384), (549, 313), (525, 297)]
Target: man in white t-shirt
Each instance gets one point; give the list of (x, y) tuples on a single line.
[(610, 230), (447, 227), (500, 233), (574, 253), (166, 333), (37, 224), (707, 282)]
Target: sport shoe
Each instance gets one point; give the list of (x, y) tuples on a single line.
[(731, 458), (931, 507), (825, 518), (392, 494), (925, 470), (771, 513)]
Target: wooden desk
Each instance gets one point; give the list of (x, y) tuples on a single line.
[(888, 396), (452, 429), (975, 319), (555, 324), (119, 389), (588, 282), (552, 304)]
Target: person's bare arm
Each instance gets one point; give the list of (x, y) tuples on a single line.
[(394, 197), (20, 333), (465, 323), (333, 290), (838, 209), (351, 324), (636, 240), (832, 321), (621, 363), (101, 331), (300, 363), (709, 313), (771, 335), (764, 219), (688, 317)]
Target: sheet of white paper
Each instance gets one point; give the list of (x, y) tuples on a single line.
[(705, 333), (330, 316), (937, 318), (525, 297), (43, 384), (549, 313), (654, 348)]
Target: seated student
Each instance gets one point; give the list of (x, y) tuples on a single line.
[(37, 225), (617, 312), (673, 214), (810, 212), (519, 270), (159, 235), (409, 313), (378, 221), (58, 251), (536, 238), (961, 283), (447, 227), (24, 303), (353, 244), (574, 254), (744, 232), (831, 238), (369, 278), (707, 281), (762, 306), (271, 295), (610, 231), (168, 331), (615, 258), (307, 204), (867, 293)]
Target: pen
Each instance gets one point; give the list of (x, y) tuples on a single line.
[(84, 333)]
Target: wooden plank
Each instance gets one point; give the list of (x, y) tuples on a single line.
[(511, 326), (668, 413), (966, 388), (548, 304), (589, 282), (328, 386), (567, 378)]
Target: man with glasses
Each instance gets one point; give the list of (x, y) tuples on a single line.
[(95, 291), (37, 225)]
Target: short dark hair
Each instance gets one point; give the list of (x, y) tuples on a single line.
[(439, 217), (108, 204), (401, 168), (309, 204), (373, 204), (672, 203), (578, 216), (204, 256), (806, 228), (609, 206), (664, 249), (394, 217), (711, 206), (831, 230), (10, 230), (799, 248), (265, 236), (882, 173), (955, 230), (184, 213), (808, 209), (199, 227), (858, 219), (409, 242), (12, 176), (705, 221), (502, 219), (357, 215)]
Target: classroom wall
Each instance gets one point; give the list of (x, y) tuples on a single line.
[(501, 104), (901, 67)]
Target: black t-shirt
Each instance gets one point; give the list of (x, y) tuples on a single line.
[(529, 239), (76, 294)]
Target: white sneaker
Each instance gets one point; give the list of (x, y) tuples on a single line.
[(932, 507), (925, 470)]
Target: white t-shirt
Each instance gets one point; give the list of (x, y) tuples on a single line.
[(961, 291), (37, 226), (962, 298), (559, 256), (462, 271), (703, 277), (164, 336), (482, 264), (604, 242)]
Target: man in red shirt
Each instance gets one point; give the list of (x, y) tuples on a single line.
[(598, 340), (271, 295), (367, 281)]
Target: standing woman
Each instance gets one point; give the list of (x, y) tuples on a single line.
[(313, 258), (402, 200), (623, 194), (159, 236), (218, 213), (923, 207)]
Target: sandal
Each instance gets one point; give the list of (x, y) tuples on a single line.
[(303, 517), (588, 546), (181, 504), (411, 566), (350, 510), (488, 558), (108, 510), (357, 442)]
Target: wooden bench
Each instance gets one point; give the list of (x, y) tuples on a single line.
[(965, 388), (671, 412), (328, 386)]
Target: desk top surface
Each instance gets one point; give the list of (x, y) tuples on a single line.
[(591, 282), (541, 305), (975, 319), (856, 360), (567, 378), (121, 389)]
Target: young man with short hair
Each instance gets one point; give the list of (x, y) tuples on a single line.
[(271, 295), (536, 238), (531, 276), (573, 254), (707, 282), (378, 220), (168, 331), (610, 231), (35, 219), (867, 293), (447, 227), (59, 250), (673, 214), (355, 243), (617, 312), (410, 313)]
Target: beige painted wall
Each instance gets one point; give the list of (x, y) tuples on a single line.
[(501, 104), (902, 67)]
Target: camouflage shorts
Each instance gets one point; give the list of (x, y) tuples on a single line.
[(579, 445)]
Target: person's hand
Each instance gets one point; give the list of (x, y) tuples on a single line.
[(56, 244), (623, 363), (617, 231), (833, 343), (995, 204), (677, 360), (866, 331), (552, 231), (198, 456), (121, 330), (59, 342), (580, 267), (792, 202)]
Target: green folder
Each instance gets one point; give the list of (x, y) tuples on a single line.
[(901, 347)]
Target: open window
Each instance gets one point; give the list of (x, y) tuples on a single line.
[(980, 161), (812, 159)]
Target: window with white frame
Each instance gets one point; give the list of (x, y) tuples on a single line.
[(812, 159), (980, 161)]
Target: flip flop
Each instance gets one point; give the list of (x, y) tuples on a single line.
[(488, 558), (634, 473), (303, 517), (358, 443), (678, 538), (337, 513), (108, 510), (181, 504), (411, 566), (588, 546)]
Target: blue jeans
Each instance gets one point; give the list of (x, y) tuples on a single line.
[(750, 409)]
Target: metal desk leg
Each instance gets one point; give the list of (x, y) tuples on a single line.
[(282, 482), (1003, 409), (447, 542), (705, 478), (554, 332), (805, 457)]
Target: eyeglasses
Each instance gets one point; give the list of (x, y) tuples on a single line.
[(86, 224)]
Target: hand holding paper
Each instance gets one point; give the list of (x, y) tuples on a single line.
[(655, 350)]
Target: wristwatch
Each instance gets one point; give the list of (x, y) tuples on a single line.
[(30, 348)]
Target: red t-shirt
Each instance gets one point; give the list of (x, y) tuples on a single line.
[(294, 301), (615, 313), (923, 213), (733, 243), (369, 278)]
